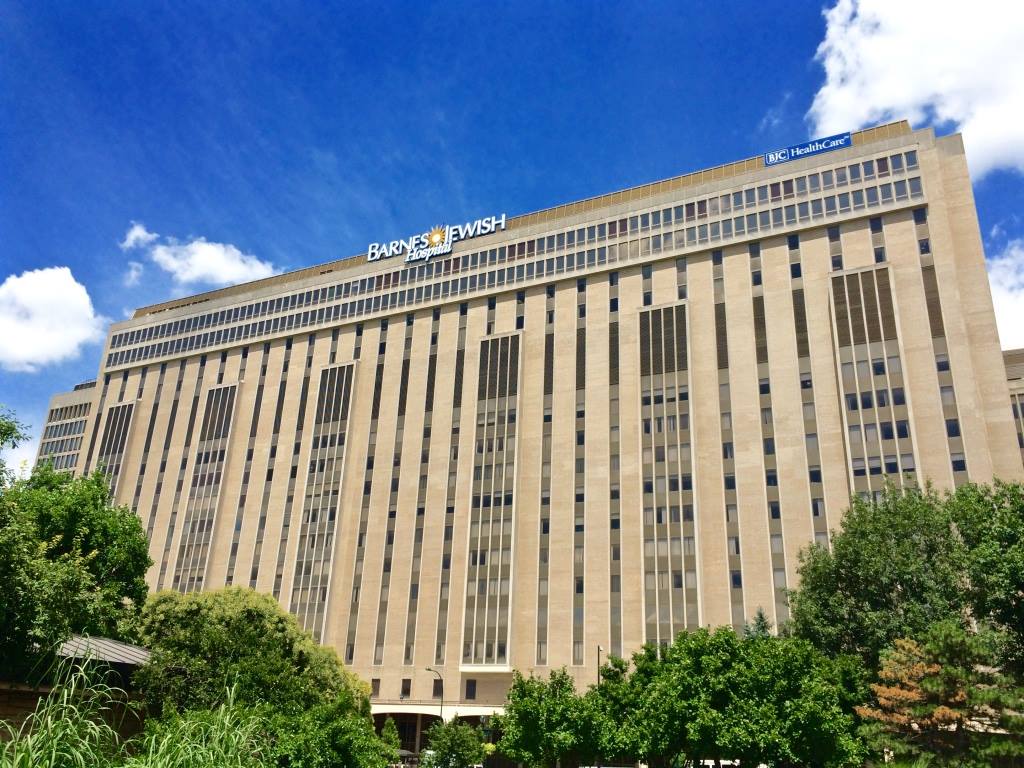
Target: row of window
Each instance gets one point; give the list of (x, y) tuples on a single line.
[(509, 275), (783, 215)]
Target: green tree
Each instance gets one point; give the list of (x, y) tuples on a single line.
[(991, 520), (203, 642), (453, 745), (786, 707), (943, 699), (754, 698), (389, 734), (623, 733), (546, 722), (69, 562), (895, 567), (328, 735)]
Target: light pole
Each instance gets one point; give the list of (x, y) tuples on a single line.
[(441, 679)]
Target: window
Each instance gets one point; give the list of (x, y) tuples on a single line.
[(406, 687), (817, 507), (470, 690), (793, 241), (814, 473), (879, 255), (764, 386), (959, 462), (716, 257), (837, 261), (374, 687), (736, 578), (771, 478), (730, 482), (924, 246), (833, 234), (727, 451), (858, 468), (876, 223), (647, 298), (942, 363), (755, 277), (769, 446), (438, 689), (774, 510), (952, 427), (794, 270)]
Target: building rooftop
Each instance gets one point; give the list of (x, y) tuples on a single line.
[(632, 194), (104, 649)]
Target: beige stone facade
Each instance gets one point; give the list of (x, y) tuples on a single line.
[(601, 425), (1014, 360)]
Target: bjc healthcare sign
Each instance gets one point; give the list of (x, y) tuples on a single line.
[(814, 147)]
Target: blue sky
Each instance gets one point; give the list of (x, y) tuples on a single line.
[(245, 138)]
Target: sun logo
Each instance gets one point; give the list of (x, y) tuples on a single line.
[(436, 236)]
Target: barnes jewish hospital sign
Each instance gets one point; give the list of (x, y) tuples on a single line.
[(435, 242)]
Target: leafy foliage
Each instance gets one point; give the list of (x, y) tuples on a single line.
[(453, 745), (69, 562), (546, 722), (389, 734), (328, 735), (941, 698), (991, 521), (758, 699), (895, 568), (203, 642)]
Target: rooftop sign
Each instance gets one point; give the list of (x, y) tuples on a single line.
[(436, 242), (813, 147)]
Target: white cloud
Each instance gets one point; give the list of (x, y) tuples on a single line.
[(131, 277), (1006, 276), (774, 116), (45, 317), (137, 236), (195, 262), (929, 62), (201, 261)]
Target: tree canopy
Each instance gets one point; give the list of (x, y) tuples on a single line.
[(943, 698), (894, 568), (754, 699), (70, 562), (453, 745), (546, 722), (202, 642)]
